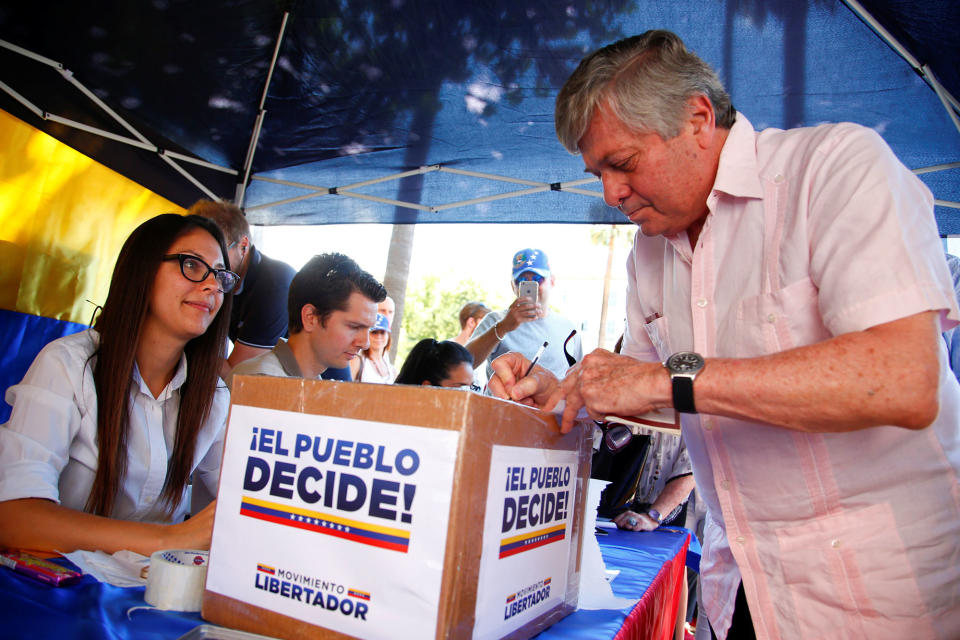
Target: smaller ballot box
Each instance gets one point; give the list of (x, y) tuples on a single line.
[(390, 511)]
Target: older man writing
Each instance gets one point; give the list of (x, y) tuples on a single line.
[(785, 293)]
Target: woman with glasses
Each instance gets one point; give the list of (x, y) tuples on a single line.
[(438, 364), (374, 365), (109, 424)]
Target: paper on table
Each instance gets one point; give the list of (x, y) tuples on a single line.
[(595, 589), (121, 569), (665, 420)]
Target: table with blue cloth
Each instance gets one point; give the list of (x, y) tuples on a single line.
[(649, 564)]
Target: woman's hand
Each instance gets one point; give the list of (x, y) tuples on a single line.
[(42, 525), (193, 533)]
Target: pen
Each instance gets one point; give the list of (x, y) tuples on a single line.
[(535, 358)]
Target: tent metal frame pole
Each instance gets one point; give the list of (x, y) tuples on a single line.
[(392, 176), (585, 192), (348, 191), (100, 132), (30, 54), (22, 100), (943, 95), (141, 142), (261, 114), (481, 200), (491, 176), (188, 176), (345, 190), (390, 201), (937, 167), (68, 76), (277, 203), (921, 69), (353, 185), (289, 183), (198, 162)]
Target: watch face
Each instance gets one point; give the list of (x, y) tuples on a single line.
[(685, 362)]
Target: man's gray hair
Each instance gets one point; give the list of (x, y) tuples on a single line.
[(646, 81)]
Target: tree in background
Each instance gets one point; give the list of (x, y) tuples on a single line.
[(609, 236), (433, 308)]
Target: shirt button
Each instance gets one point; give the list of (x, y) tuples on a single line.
[(702, 302), (724, 485), (771, 318), (835, 543), (778, 178), (741, 539)]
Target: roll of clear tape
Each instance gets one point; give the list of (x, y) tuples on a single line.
[(176, 579)]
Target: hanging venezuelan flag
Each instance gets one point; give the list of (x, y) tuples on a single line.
[(63, 219)]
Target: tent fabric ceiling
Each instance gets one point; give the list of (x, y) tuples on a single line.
[(364, 89)]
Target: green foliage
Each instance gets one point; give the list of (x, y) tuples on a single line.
[(431, 310), (622, 234)]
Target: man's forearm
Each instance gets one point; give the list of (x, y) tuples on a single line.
[(242, 352), (886, 375), (674, 494), (482, 346)]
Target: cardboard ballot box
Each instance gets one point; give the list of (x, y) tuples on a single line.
[(383, 511)]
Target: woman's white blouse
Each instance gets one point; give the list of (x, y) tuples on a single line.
[(48, 449)]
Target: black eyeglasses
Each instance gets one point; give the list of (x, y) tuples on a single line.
[(570, 359), (532, 277), (616, 436), (196, 270)]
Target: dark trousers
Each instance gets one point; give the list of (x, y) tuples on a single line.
[(742, 626)]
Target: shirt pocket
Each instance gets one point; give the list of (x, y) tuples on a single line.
[(659, 337), (778, 320), (847, 576)]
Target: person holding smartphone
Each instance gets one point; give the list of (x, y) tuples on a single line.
[(527, 323)]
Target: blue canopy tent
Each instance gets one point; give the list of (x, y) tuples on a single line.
[(421, 111), (313, 111)]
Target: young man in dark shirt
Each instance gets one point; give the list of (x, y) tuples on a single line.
[(259, 315)]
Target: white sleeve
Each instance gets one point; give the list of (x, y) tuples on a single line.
[(895, 267), (35, 443), (208, 469)]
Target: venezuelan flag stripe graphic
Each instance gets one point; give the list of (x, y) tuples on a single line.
[(362, 532), (532, 540), (266, 569), (356, 593)]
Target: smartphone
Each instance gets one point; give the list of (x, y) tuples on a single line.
[(529, 289), (38, 569)]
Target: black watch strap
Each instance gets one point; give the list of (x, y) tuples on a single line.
[(683, 394)]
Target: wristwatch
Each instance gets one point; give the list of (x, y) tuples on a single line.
[(653, 513), (683, 367)]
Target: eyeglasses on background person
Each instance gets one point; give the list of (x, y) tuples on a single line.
[(195, 269), (615, 435), (529, 275)]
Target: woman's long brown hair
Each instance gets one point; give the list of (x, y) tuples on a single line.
[(120, 326)]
